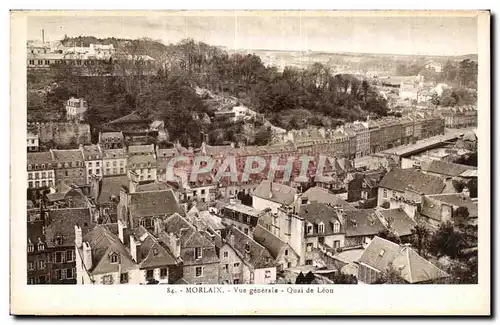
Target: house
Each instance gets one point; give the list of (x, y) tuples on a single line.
[(60, 241), (70, 166), (141, 208), (361, 226), (200, 262), (281, 252), (241, 216), (92, 155), (144, 166), (63, 195), (101, 258), (41, 170), (231, 265), (257, 266), (321, 195), (446, 169), (156, 263), (363, 186), (132, 122), (32, 139), (39, 256), (114, 162), (273, 195), (106, 193), (396, 181), (439, 208), (362, 138), (75, 108), (380, 254), (322, 226), (397, 221), (111, 140)]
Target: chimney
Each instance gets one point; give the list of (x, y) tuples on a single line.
[(43, 36), (87, 256), (157, 226), (133, 247), (133, 181), (78, 236), (121, 226), (231, 240), (247, 251)]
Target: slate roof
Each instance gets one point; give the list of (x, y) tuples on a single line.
[(139, 161), (130, 118), (431, 204), (68, 155), (401, 179), (61, 222), (34, 158), (181, 227), (445, 168), (153, 186), (317, 213), (362, 223), (269, 241), (103, 243), (111, 186), (166, 153), (105, 136), (322, 195), (62, 189), (151, 253), (401, 222), (141, 149), (280, 193), (114, 153), (153, 203), (92, 152), (414, 269), (259, 256)]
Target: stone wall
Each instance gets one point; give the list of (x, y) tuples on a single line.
[(63, 133)]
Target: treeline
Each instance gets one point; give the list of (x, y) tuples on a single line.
[(169, 94), (459, 74)]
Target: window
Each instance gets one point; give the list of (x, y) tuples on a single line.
[(59, 240), (124, 277), (382, 252), (321, 228), (225, 267), (336, 243), (41, 279), (59, 257), (41, 264), (31, 266), (198, 252), (114, 170), (148, 223), (30, 176), (336, 226), (236, 265), (163, 272), (288, 265), (385, 193), (97, 163), (114, 258), (70, 256), (50, 182), (61, 274), (155, 251), (150, 274), (89, 172), (107, 164), (226, 254), (31, 248), (309, 247), (97, 171), (309, 229), (286, 252), (309, 262), (90, 164), (37, 183), (268, 274), (202, 191), (364, 195), (70, 273), (236, 281), (30, 184), (245, 231), (31, 280), (198, 271), (107, 279)]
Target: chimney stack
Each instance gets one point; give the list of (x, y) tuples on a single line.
[(78, 236), (87, 256), (43, 36)]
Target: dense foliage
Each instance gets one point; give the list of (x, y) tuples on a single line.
[(168, 94)]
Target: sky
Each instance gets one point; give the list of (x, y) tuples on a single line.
[(425, 35)]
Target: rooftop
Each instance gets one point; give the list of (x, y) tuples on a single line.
[(275, 192), (401, 179)]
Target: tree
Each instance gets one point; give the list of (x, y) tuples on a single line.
[(342, 278), (389, 235), (262, 137), (420, 236), (447, 241)]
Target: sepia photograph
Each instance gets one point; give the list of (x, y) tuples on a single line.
[(251, 152)]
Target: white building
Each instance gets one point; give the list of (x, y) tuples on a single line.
[(93, 161), (114, 162), (40, 167), (75, 108), (33, 140)]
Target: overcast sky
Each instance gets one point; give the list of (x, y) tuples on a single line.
[(279, 31)]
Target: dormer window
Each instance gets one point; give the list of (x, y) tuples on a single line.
[(31, 248), (155, 251), (336, 227), (309, 229), (321, 228), (198, 252), (40, 247), (113, 258), (59, 240), (382, 252)]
